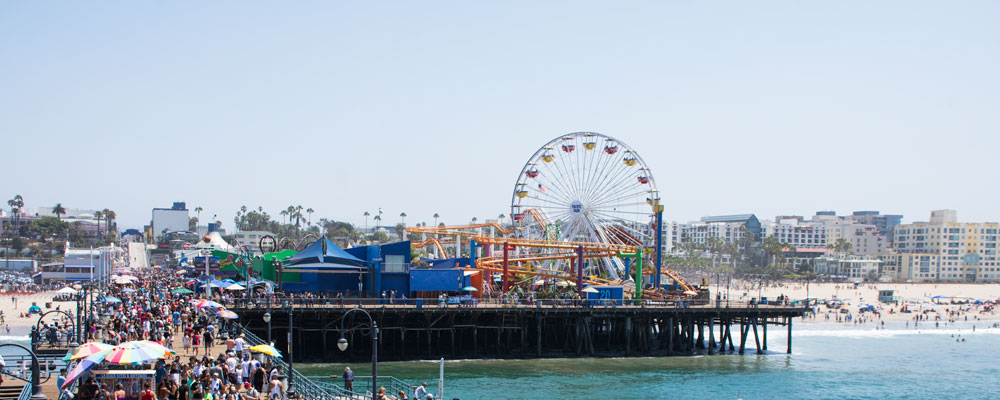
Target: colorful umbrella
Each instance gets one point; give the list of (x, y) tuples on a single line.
[(227, 314), (181, 290), (136, 353), (83, 366), (235, 286), (266, 349), (128, 290), (208, 304), (470, 289), (89, 349), (111, 299)]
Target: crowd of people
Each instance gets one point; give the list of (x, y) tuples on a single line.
[(212, 360)]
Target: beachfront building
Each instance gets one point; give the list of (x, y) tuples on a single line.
[(883, 223), (846, 266), (728, 228), (967, 251), (171, 219), (797, 233), (910, 267), (82, 265), (865, 239)]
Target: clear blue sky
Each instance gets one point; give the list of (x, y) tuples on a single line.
[(773, 107)]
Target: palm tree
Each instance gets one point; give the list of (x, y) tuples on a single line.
[(16, 204), (378, 219), (501, 217), (403, 216), (366, 221), (284, 213), (59, 211), (198, 211), (436, 216), (109, 215), (98, 215), (310, 211)]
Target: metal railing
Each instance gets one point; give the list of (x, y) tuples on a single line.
[(25, 392), (306, 388), (493, 303)]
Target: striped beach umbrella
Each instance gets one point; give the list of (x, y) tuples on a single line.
[(208, 304), (137, 352), (89, 349)]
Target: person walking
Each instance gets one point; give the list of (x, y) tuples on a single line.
[(348, 379)]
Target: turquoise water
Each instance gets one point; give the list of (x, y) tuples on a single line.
[(828, 361)]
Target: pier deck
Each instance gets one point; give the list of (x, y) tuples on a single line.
[(549, 328)]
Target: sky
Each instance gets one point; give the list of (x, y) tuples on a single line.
[(766, 107)]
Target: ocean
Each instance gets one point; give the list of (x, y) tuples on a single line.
[(829, 361)]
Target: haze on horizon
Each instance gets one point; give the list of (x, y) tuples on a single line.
[(774, 108)]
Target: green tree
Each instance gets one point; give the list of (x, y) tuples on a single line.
[(59, 211), (310, 211), (46, 228)]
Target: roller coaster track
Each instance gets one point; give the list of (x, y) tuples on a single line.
[(428, 241), (457, 230)]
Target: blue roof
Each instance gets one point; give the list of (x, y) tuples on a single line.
[(313, 253)]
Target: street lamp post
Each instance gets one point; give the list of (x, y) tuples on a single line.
[(373, 332), (267, 318), (36, 385), (291, 352)]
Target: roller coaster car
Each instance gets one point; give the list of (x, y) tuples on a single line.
[(531, 173), (630, 161), (517, 216), (611, 149), (547, 157), (643, 179), (589, 145), (522, 194), (568, 148)]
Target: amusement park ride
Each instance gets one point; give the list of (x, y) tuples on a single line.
[(585, 209)]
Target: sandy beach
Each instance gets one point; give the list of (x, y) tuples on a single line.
[(867, 293), (20, 325)]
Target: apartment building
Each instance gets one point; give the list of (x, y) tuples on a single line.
[(967, 251)]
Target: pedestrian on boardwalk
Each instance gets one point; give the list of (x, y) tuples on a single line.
[(348, 379)]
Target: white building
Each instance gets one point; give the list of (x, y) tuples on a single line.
[(865, 239), (848, 266), (171, 219), (83, 265), (798, 233), (967, 251)]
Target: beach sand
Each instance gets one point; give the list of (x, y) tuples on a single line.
[(21, 325)]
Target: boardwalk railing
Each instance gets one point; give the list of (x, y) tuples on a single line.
[(347, 303), (25, 392)]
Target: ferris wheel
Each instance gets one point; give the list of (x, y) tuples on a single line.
[(586, 187)]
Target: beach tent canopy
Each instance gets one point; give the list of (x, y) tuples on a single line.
[(66, 290), (323, 254)]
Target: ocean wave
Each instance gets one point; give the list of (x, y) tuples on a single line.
[(24, 338)]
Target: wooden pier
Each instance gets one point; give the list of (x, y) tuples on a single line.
[(551, 330)]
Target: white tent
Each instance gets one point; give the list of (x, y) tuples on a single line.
[(66, 290), (216, 242)]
